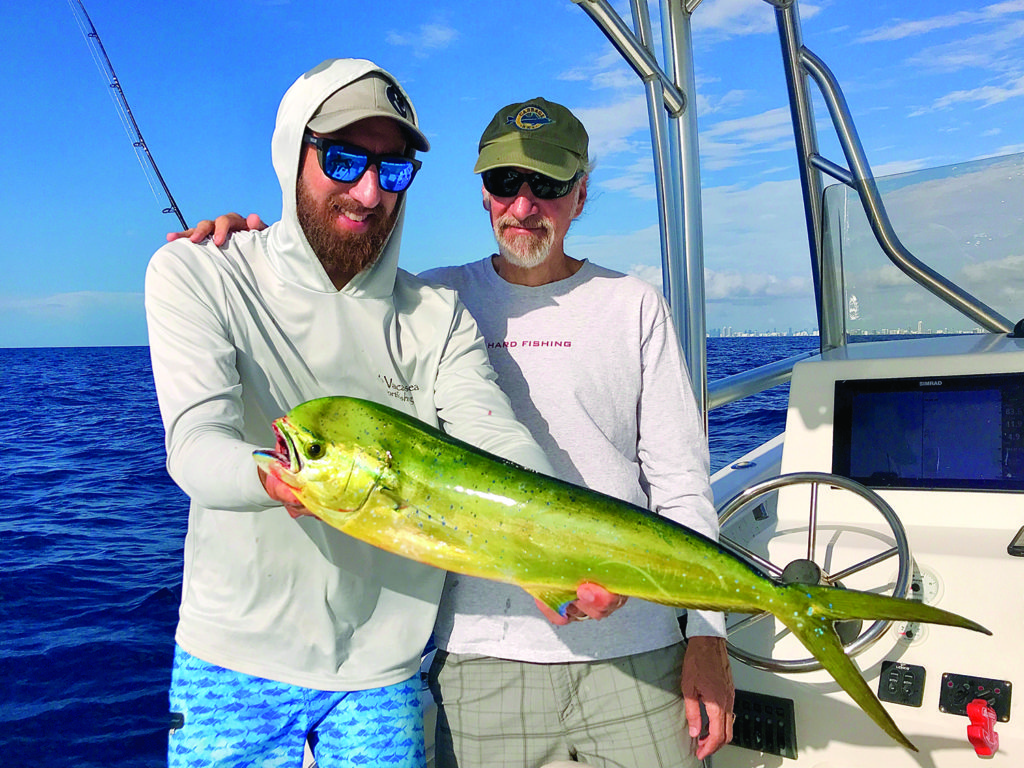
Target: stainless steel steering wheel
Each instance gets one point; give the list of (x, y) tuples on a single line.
[(808, 571)]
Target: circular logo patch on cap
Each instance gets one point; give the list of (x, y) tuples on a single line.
[(529, 119), (398, 101)]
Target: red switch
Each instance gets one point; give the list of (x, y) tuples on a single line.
[(982, 730)]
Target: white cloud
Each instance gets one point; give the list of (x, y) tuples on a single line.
[(756, 262), (720, 19), (734, 17), (997, 283), (427, 38), (81, 318), (709, 105), (904, 29), (761, 128), (760, 225), (986, 95), (754, 244), (997, 49), (620, 250), (67, 305), (612, 126), (607, 70), (733, 286), (637, 178), (647, 273), (731, 142), (724, 286)]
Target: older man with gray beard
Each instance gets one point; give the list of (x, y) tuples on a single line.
[(590, 360)]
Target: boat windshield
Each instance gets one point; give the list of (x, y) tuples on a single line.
[(965, 221)]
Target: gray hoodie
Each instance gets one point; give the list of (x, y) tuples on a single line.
[(238, 336)]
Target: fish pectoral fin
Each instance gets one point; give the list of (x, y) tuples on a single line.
[(555, 599)]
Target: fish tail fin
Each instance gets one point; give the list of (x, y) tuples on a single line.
[(817, 634), (836, 603), (811, 613)]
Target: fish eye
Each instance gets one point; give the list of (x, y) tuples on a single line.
[(314, 450)]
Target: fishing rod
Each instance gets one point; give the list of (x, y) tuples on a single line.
[(99, 55)]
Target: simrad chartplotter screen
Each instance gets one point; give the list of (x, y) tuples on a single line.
[(945, 432)]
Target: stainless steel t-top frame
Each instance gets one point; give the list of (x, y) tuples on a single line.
[(677, 175)]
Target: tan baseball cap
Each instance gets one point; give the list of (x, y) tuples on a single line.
[(538, 135), (372, 95)]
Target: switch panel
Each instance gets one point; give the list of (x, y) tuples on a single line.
[(957, 691), (901, 684)]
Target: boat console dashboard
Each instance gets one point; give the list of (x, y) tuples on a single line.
[(935, 426)]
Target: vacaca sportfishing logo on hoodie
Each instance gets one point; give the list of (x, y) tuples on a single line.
[(399, 390)]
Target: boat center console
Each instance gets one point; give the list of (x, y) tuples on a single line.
[(935, 427)]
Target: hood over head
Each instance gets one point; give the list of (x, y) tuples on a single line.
[(289, 251)]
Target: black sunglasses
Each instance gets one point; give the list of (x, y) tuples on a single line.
[(506, 182), (347, 162)]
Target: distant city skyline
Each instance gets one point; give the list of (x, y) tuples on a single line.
[(726, 332)]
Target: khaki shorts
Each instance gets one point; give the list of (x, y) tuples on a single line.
[(619, 713)]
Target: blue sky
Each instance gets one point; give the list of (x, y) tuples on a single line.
[(930, 84)]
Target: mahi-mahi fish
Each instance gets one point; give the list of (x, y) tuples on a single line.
[(392, 481)]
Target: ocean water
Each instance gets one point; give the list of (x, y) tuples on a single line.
[(91, 541)]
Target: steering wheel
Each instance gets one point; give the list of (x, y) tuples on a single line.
[(808, 571)]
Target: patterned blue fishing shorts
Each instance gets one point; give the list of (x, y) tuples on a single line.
[(226, 718)]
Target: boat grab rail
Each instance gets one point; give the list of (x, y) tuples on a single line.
[(746, 383)]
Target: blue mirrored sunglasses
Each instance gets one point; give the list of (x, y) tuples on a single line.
[(347, 162)]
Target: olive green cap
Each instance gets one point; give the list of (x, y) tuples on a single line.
[(538, 135)]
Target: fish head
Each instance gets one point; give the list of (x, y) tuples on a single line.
[(318, 456)]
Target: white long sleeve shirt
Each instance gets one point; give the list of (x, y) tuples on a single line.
[(593, 367), (238, 336)]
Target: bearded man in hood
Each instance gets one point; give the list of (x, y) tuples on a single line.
[(289, 631)]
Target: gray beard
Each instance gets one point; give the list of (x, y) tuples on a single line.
[(520, 251), (342, 255)]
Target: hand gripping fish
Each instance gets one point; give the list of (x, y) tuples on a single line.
[(392, 481)]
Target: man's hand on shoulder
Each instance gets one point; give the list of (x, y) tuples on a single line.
[(221, 228)]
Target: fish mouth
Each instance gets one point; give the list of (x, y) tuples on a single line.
[(284, 454)]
